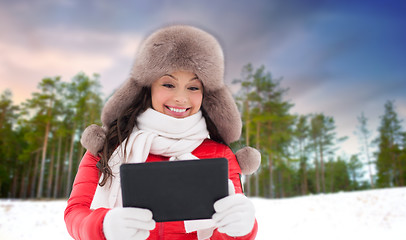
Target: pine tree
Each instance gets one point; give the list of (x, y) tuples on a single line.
[(267, 122), (8, 142), (337, 175), (84, 98), (324, 142), (301, 134), (43, 103), (390, 167), (355, 172), (364, 135), (244, 101)]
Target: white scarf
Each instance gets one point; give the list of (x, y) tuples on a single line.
[(158, 134)]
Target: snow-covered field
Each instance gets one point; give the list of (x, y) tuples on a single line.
[(374, 214)]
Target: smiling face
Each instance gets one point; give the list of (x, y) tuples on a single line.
[(178, 94)]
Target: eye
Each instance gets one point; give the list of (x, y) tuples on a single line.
[(168, 85), (194, 88)]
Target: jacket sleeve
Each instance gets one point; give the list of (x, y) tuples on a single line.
[(234, 175), (82, 222)]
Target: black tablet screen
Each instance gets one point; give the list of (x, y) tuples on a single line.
[(175, 190)]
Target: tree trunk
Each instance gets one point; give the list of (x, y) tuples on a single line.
[(64, 172), (280, 178), (332, 183), (51, 172), (26, 177), (271, 194), (270, 157), (44, 154), (57, 168), (316, 164), (395, 169), (69, 179), (323, 183), (34, 176), (44, 149), (303, 181), (257, 136), (256, 183), (304, 186), (398, 170), (248, 185), (23, 185), (401, 172), (14, 189)]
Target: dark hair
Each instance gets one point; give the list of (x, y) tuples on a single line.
[(120, 129), (123, 126)]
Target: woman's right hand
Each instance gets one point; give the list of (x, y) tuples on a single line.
[(128, 223)]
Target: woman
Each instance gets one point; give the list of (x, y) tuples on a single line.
[(174, 106)]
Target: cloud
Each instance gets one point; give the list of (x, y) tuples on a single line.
[(58, 52), (401, 107), (51, 60), (23, 67)]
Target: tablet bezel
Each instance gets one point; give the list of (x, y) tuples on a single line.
[(175, 190)]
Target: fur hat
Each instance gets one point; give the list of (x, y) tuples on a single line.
[(168, 50)]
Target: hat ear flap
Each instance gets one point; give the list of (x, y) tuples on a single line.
[(249, 160), (120, 101), (93, 139), (223, 112)]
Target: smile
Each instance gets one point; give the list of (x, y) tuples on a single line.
[(177, 110)]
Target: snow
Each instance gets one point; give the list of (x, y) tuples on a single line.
[(373, 214)]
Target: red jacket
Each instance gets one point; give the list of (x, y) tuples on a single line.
[(86, 224)]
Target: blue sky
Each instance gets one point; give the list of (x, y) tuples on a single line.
[(339, 58)]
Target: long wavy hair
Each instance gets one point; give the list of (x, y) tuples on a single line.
[(123, 126)]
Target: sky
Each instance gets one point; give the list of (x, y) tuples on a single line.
[(340, 58)]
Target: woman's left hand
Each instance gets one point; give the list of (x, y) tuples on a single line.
[(235, 215)]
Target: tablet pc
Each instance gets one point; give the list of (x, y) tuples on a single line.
[(175, 190)]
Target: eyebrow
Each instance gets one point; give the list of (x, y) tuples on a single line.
[(169, 75)]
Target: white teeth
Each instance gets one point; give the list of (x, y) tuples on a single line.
[(177, 110)]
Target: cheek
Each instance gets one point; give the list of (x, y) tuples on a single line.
[(197, 100), (157, 99), (154, 104)]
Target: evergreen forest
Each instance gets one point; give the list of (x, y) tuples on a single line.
[(40, 148)]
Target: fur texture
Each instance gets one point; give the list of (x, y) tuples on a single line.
[(93, 138), (249, 160)]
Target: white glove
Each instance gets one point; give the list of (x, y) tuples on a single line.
[(235, 215), (128, 223)]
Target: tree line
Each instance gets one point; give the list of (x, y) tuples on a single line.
[(299, 151), (40, 146), (39, 139)]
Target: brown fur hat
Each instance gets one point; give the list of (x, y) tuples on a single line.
[(165, 51)]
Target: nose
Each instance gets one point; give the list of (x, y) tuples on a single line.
[(180, 97)]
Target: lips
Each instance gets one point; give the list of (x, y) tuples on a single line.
[(177, 112)]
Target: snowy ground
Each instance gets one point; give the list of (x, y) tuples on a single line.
[(375, 214)]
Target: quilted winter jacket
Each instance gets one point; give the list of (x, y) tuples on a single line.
[(84, 223)]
